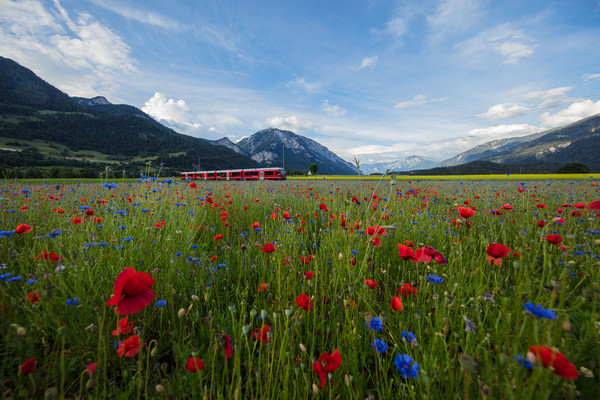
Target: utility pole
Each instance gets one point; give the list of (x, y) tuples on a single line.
[(283, 147)]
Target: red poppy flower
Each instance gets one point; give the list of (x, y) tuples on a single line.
[(327, 364), (268, 248), (554, 239), (27, 367), (23, 228), (594, 205), (89, 212), (193, 185), (406, 290), (304, 302), (91, 368), (465, 212), (396, 303), (194, 364), (305, 260), (322, 206), (559, 363), (371, 284), (540, 205), (508, 207), (124, 328), (406, 253), (262, 334), (286, 215), (132, 291), (541, 223), (263, 287), (76, 221), (425, 254), (130, 346), (579, 205), (218, 237), (408, 243), (496, 252), (255, 225), (375, 241), (309, 275), (228, 349), (160, 224), (34, 297)]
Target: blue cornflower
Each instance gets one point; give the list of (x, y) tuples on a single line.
[(403, 364), (6, 233), (539, 311), (523, 361), (375, 324), (379, 345), (31, 281), (435, 279), (73, 302), (408, 336), (161, 303)]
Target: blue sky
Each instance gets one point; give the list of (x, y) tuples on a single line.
[(376, 80)]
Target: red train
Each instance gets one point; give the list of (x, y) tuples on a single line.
[(253, 174)]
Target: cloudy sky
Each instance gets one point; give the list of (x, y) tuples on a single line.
[(373, 79)]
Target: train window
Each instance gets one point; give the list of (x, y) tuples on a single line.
[(269, 173), (238, 173)]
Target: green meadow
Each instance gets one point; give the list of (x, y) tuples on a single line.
[(316, 288)]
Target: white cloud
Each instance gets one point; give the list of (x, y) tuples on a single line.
[(589, 77), (505, 40), (502, 131), (368, 62), (291, 123), (301, 83), (418, 100), (455, 15), (396, 27), (331, 109), (79, 55), (549, 98), (573, 113), (505, 110), (168, 110), (138, 14)]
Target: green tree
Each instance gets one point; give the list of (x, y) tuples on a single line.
[(313, 168), (573, 168)]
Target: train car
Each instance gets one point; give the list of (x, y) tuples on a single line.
[(250, 174)]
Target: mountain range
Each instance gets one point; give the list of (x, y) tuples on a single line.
[(41, 127)]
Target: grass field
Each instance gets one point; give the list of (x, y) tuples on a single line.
[(334, 288)]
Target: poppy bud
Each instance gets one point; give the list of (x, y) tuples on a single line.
[(315, 389), (195, 298), (347, 380), (50, 393), (160, 389), (253, 313), (264, 314), (181, 313), (302, 348), (245, 329)]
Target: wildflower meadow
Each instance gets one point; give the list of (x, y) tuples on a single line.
[(338, 289)]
